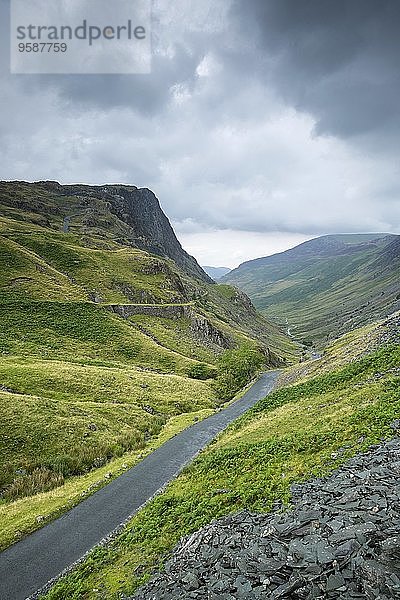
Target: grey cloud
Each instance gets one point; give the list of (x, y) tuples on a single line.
[(337, 59), (148, 94)]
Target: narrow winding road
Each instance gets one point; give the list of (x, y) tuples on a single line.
[(30, 564)]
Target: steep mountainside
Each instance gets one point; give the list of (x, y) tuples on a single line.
[(113, 246), (103, 343), (326, 286), (126, 214)]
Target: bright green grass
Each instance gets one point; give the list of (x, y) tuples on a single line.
[(65, 367), (289, 436), (23, 274), (81, 332), (115, 274), (48, 416), (51, 266), (177, 335), (42, 433), (226, 290), (24, 224), (42, 264), (63, 381), (27, 514)]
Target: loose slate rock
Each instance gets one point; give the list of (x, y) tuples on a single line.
[(340, 540)]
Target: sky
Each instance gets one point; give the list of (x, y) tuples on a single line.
[(263, 123)]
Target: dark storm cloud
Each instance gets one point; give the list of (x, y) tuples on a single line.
[(145, 93), (337, 59)]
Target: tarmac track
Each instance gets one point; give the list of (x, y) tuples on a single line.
[(30, 564)]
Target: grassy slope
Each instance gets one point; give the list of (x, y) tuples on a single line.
[(81, 333), (27, 514), (83, 367), (61, 267), (347, 348), (109, 271), (298, 431), (175, 334), (323, 295)]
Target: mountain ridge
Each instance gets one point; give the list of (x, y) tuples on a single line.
[(325, 243), (325, 286), (133, 214), (113, 245)]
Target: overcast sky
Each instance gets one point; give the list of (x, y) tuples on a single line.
[(263, 122)]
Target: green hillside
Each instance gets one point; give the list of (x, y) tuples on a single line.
[(112, 342), (327, 286), (324, 412), (102, 344)]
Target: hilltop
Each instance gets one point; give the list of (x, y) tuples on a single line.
[(113, 247), (326, 286), (126, 214)]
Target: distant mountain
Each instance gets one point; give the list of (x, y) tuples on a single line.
[(216, 272), (325, 286)]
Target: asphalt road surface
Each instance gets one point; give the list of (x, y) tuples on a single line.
[(31, 563)]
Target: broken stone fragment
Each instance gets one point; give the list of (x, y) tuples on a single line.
[(340, 541)]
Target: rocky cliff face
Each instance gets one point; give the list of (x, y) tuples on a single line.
[(141, 210), (132, 215)]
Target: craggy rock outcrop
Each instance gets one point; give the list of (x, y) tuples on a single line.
[(341, 540), (141, 209), (241, 299), (151, 230), (203, 329)]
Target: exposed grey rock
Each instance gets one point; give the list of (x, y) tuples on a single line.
[(5, 388), (340, 540), (205, 330)]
